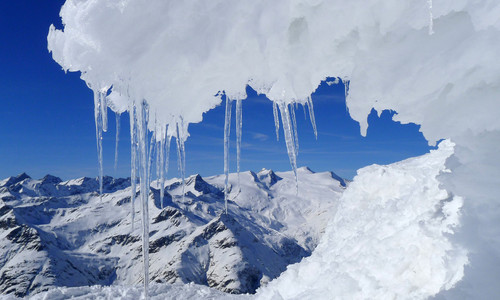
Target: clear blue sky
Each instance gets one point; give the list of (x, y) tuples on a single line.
[(47, 122)]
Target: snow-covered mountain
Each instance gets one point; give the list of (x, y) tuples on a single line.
[(60, 233)]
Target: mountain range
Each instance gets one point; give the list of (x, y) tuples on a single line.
[(62, 233)]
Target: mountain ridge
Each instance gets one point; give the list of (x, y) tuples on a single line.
[(59, 233)]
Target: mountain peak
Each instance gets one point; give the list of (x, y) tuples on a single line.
[(51, 179), (200, 185), (23, 176), (15, 179), (305, 168), (268, 177)]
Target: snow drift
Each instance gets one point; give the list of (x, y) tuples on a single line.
[(389, 238), (436, 64)]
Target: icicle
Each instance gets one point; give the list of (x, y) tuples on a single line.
[(157, 161), (304, 109), (431, 21), (227, 132), (167, 153), (162, 165), (276, 120), (104, 110), (181, 158), (144, 176), (294, 123), (239, 125), (151, 152), (98, 134), (133, 160), (289, 139), (164, 156), (117, 138), (311, 116)]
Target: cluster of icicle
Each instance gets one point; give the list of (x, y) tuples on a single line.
[(289, 121), (146, 147)]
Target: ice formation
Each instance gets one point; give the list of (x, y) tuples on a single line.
[(276, 120), (142, 137), (227, 133), (101, 121), (289, 131), (311, 116), (180, 138), (133, 160), (176, 55), (239, 125)]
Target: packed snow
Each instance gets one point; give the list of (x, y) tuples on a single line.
[(389, 238), (434, 62)]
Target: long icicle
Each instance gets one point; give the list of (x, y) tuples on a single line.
[(289, 139), (295, 133), (133, 160), (157, 156), (276, 120), (144, 174), (98, 117), (239, 125), (104, 110), (117, 138), (183, 155), (180, 159), (227, 132), (162, 165), (167, 155), (151, 151), (311, 116), (157, 162), (152, 146)]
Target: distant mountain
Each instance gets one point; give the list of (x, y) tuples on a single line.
[(59, 233)]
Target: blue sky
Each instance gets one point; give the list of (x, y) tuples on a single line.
[(47, 122)]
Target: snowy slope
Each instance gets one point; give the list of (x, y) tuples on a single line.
[(59, 233), (390, 238)]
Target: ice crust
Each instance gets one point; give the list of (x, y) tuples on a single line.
[(435, 63)]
